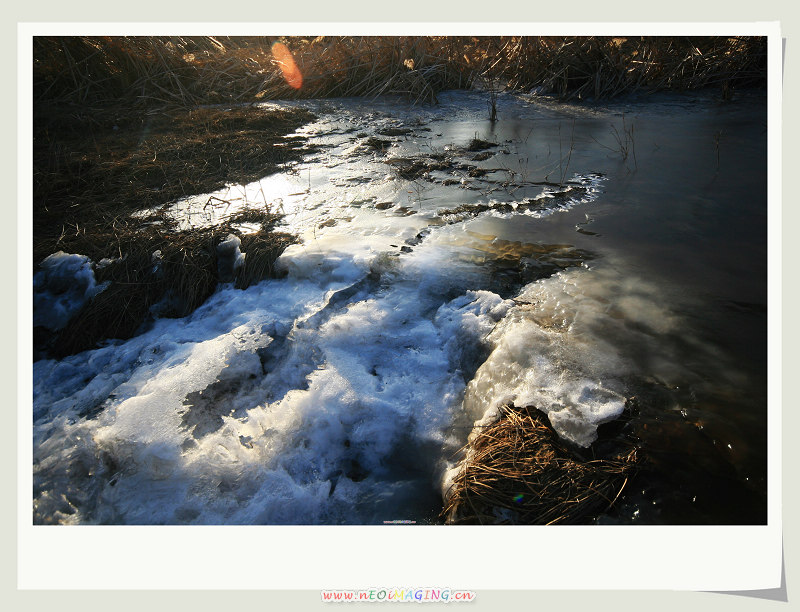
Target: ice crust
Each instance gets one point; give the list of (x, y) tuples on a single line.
[(321, 392), (568, 349), (62, 285)]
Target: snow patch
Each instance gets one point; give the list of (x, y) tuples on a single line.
[(63, 284)]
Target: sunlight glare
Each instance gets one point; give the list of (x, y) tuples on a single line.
[(287, 64)]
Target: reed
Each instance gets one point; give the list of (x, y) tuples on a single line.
[(605, 67), (518, 471), (154, 70)]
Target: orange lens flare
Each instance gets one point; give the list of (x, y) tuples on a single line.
[(285, 60)]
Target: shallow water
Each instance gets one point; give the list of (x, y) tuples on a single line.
[(578, 257)]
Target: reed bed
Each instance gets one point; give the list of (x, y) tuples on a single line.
[(185, 71), (606, 67), (517, 471), (149, 70)]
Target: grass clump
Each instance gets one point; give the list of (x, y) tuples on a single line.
[(159, 271), (518, 471), (478, 144)]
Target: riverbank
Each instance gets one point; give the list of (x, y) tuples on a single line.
[(103, 182)]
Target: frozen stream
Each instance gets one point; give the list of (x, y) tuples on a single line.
[(564, 257)]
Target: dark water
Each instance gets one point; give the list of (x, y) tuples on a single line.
[(686, 210)]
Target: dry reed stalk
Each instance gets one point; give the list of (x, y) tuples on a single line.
[(191, 70), (517, 470)]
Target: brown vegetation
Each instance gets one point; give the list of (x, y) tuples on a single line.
[(91, 169), (577, 67), (155, 269), (94, 168), (191, 70), (518, 471)]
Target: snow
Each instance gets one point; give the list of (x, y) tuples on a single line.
[(63, 284)]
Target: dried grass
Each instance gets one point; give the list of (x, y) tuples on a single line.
[(187, 71), (518, 470), (604, 67), (94, 165), (173, 284)]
